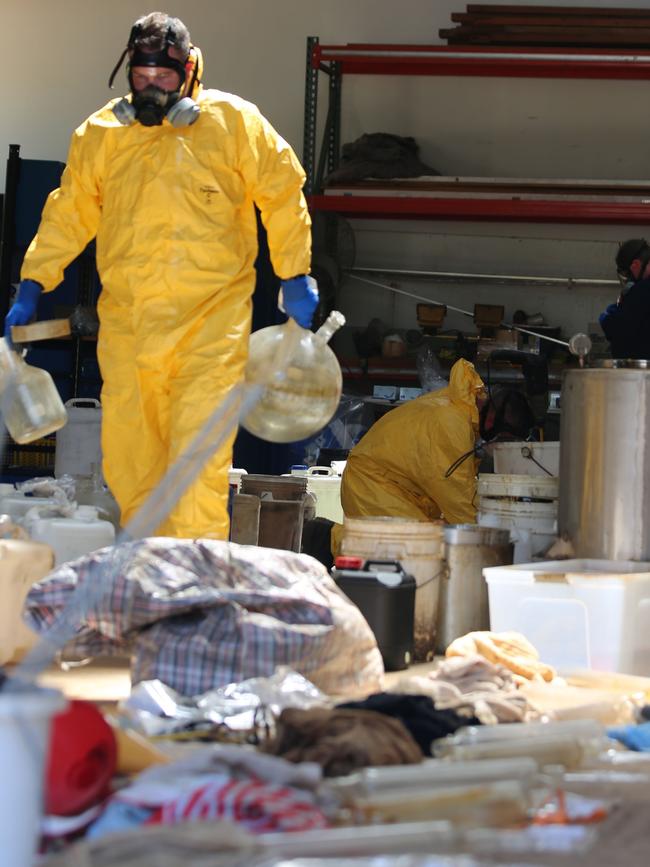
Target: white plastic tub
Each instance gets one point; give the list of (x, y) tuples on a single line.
[(577, 613), (530, 459)]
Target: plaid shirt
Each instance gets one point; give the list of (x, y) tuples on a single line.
[(200, 614)]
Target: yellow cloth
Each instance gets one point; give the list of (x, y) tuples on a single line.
[(172, 209), (398, 468), (510, 649)]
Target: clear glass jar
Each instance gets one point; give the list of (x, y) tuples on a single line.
[(30, 403), (301, 378)]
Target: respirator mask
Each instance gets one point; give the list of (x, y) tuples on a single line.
[(506, 419), (495, 416), (631, 250), (151, 105)]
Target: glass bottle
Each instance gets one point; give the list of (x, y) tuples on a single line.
[(301, 378), (30, 403), (91, 491)]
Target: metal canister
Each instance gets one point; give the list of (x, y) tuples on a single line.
[(463, 605), (604, 507)]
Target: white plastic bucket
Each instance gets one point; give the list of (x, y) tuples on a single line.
[(527, 506), (516, 487), (577, 613), (420, 548), (21, 565), (78, 444), (24, 738), (72, 537), (325, 484)]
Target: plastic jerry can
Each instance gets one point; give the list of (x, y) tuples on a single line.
[(16, 504), (385, 595), (325, 484), (72, 537), (78, 444)]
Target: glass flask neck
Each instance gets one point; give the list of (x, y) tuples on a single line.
[(333, 322)]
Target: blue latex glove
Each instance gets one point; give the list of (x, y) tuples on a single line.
[(300, 299), (634, 737), (24, 307), (612, 310)]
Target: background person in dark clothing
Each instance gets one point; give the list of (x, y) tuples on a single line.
[(626, 324)]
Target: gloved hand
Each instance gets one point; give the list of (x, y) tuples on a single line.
[(611, 310), (24, 307), (300, 299), (634, 737)]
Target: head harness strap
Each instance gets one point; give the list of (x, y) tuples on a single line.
[(149, 58)]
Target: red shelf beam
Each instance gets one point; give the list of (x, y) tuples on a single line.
[(504, 210), (361, 59)]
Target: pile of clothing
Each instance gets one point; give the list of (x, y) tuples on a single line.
[(383, 729), (472, 684)]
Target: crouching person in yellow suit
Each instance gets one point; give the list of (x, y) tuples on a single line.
[(418, 462)]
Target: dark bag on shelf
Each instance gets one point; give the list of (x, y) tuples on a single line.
[(380, 155)]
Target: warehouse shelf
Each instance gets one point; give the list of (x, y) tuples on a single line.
[(385, 59), (367, 59), (28, 183), (540, 211)]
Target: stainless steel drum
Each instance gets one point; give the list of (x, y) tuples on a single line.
[(463, 605), (604, 508)]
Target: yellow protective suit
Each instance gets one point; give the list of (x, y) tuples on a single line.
[(398, 468), (173, 212)]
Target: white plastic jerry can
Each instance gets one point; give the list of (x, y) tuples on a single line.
[(75, 536), (78, 444), (16, 504)]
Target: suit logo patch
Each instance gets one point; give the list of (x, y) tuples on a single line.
[(208, 193)]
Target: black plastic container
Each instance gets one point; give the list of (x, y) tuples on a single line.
[(385, 595)]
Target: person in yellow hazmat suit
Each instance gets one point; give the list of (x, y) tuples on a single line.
[(167, 179), (419, 461)]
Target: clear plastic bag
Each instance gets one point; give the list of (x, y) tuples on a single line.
[(429, 369), (351, 420), (156, 709), (62, 490)]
